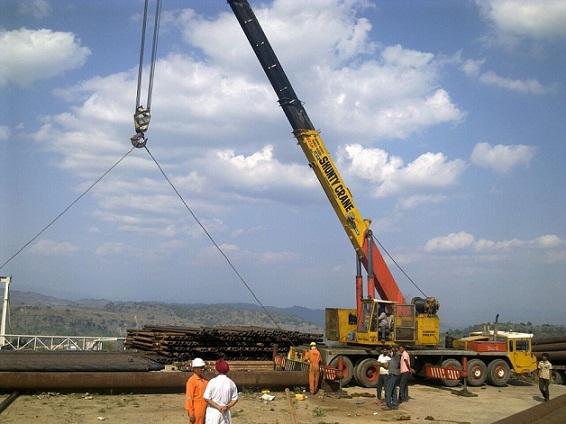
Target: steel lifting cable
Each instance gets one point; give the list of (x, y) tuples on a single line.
[(142, 115), (65, 210), (242, 280), (398, 266)]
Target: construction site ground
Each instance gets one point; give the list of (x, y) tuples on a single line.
[(429, 402)]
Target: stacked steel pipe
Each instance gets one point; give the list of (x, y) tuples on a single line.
[(173, 344), (554, 346)]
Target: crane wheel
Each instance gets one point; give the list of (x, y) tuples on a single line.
[(498, 372), (367, 373), (453, 364), (477, 372), (348, 369), (557, 377)]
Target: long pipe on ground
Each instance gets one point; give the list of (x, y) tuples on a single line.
[(549, 346), (141, 382), (543, 340), (551, 412), (8, 401)]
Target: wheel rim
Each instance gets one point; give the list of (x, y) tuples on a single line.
[(499, 372), (372, 373), (477, 372)]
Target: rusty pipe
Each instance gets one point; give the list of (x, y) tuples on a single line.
[(141, 382), (551, 412), (8, 401)]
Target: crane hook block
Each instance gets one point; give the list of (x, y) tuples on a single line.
[(141, 124), (141, 119)]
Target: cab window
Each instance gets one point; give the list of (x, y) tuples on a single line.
[(522, 345)]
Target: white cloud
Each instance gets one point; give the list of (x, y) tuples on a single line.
[(451, 242), (464, 241), (391, 98), (30, 55), (412, 202), (369, 163), (548, 241), (324, 32), (428, 171), (331, 46), (472, 67), (261, 172), (110, 249), (53, 248), (529, 86), (36, 8), (4, 132), (203, 106), (502, 159), (518, 19)]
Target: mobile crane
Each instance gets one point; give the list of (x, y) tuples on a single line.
[(415, 324)]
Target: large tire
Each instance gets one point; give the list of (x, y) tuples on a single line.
[(498, 373), (348, 369), (451, 364), (367, 373), (557, 377), (477, 372), (356, 369)]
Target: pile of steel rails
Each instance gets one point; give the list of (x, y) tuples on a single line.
[(554, 346), (172, 344)]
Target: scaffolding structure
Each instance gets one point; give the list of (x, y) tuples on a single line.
[(36, 342)]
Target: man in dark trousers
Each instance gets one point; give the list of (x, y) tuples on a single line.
[(544, 374), (406, 372), (393, 380), (383, 361)]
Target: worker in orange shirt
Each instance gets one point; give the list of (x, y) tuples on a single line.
[(313, 357), (194, 402)]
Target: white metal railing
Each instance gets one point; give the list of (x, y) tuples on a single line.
[(35, 342)]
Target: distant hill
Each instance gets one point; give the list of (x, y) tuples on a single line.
[(33, 314), (36, 314)]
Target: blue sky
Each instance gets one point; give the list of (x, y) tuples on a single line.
[(446, 119)]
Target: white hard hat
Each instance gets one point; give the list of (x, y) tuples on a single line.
[(198, 363)]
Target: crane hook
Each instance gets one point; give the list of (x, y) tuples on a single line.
[(141, 124)]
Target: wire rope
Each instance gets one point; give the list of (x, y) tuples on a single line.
[(154, 51), (242, 280), (142, 48), (399, 266), (65, 210)]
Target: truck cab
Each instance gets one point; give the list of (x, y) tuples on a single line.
[(517, 345)]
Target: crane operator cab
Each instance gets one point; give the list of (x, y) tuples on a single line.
[(384, 322)]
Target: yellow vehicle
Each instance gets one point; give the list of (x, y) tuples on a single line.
[(414, 324)]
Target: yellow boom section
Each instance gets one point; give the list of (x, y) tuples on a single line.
[(339, 195)]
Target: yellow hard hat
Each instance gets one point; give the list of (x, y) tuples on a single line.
[(313, 343)]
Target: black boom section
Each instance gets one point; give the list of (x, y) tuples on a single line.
[(292, 106)]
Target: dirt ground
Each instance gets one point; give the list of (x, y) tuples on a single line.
[(429, 403)]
